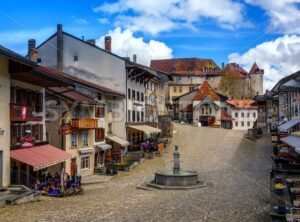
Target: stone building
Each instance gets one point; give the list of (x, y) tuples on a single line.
[(267, 106), (237, 83)]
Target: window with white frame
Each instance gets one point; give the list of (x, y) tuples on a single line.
[(254, 115), (85, 138), (85, 162), (74, 139), (236, 123)]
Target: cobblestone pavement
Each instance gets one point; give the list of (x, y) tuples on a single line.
[(239, 169)]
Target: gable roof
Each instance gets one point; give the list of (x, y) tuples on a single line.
[(295, 75), (206, 90), (81, 40), (16, 57), (78, 80), (242, 103), (255, 69), (187, 66)]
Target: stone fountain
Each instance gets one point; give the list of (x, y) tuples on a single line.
[(176, 178)]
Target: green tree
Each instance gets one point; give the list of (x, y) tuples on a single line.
[(232, 86)]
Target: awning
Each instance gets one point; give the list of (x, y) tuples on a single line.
[(104, 146), (225, 116), (40, 157), (88, 150), (145, 128), (293, 141), (119, 140), (289, 124)]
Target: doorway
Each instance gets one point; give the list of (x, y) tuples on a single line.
[(73, 167)]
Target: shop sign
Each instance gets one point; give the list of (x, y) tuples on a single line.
[(23, 112)]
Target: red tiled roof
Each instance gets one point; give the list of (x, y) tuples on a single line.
[(188, 108), (255, 69), (206, 90), (225, 116), (40, 157), (242, 103), (72, 94), (186, 66), (75, 79), (235, 69)]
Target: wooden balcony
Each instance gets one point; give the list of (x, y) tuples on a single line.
[(85, 123), (20, 113)]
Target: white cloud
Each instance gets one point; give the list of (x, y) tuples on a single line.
[(278, 58), (155, 16), (125, 44), (284, 14)]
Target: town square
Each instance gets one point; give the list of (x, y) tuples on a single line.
[(148, 110)]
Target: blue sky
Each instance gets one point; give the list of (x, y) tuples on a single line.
[(224, 30)]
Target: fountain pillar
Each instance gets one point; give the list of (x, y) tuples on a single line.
[(176, 159)]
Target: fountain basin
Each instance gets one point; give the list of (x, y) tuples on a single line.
[(183, 178)]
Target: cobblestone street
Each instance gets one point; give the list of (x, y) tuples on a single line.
[(237, 168)]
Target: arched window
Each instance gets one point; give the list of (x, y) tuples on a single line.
[(209, 110)]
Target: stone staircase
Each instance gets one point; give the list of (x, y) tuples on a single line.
[(17, 194)]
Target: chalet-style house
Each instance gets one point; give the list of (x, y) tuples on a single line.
[(204, 107)]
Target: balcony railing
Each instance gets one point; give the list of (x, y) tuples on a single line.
[(20, 113), (84, 123)]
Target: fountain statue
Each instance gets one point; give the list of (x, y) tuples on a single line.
[(176, 178)]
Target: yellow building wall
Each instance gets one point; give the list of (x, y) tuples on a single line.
[(184, 89), (5, 120)]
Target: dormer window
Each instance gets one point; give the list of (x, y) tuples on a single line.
[(173, 70), (38, 60), (190, 69)]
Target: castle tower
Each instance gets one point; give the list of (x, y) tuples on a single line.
[(256, 80)]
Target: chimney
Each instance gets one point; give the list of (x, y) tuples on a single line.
[(59, 49), (107, 43), (31, 49), (134, 58), (223, 65), (91, 41)]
